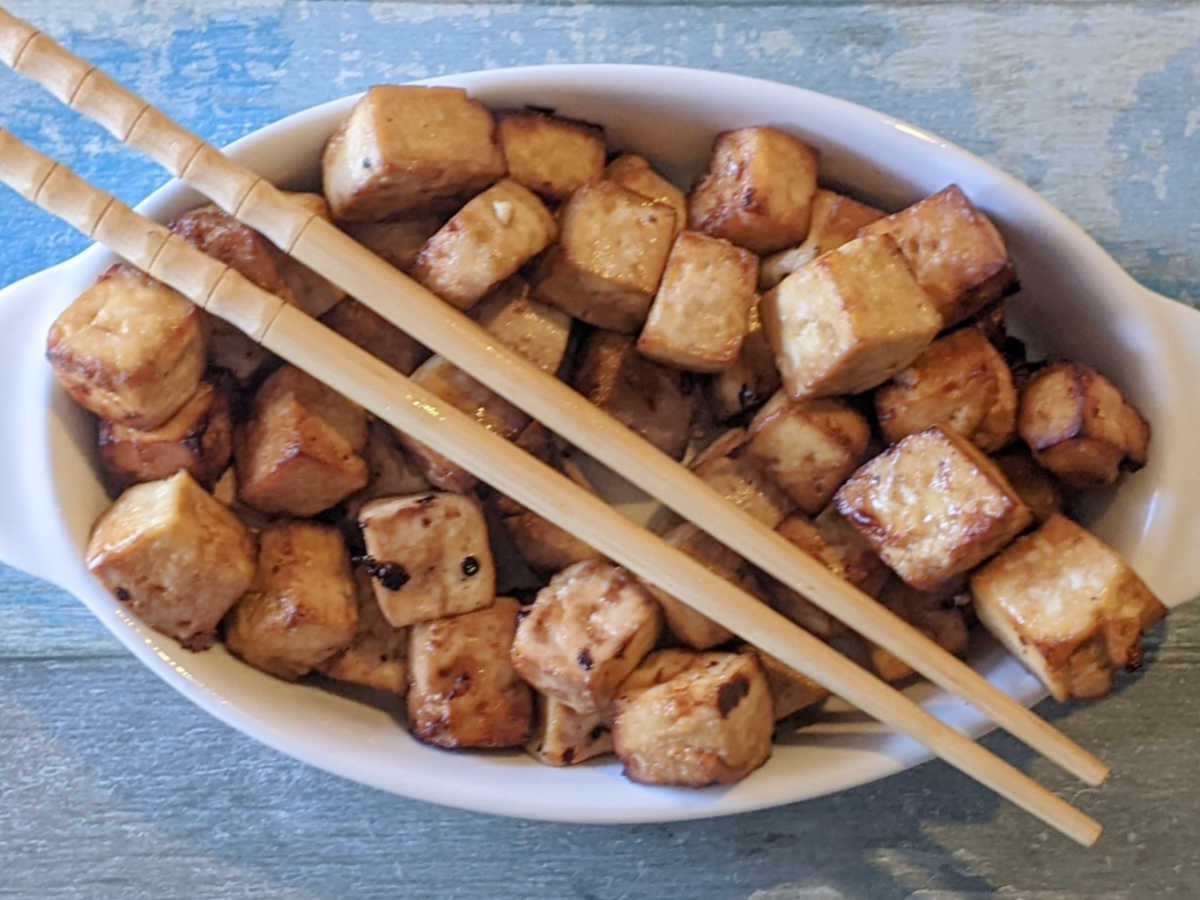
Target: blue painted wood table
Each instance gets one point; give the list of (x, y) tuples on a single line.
[(113, 786)]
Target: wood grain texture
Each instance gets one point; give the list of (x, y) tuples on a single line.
[(116, 787)]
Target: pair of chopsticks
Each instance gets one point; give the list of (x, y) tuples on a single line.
[(309, 345)]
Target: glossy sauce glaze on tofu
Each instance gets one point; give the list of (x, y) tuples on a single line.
[(840, 372)]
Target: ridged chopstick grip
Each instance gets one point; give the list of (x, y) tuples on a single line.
[(409, 306)]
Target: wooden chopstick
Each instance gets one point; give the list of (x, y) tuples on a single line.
[(353, 372), (409, 306)]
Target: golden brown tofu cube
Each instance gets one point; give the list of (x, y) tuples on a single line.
[(740, 478), (429, 556), (612, 249), (1080, 427), (129, 349), (701, 313), (299, 453), (751, 379), (849, 320), (586, 631), (538, 332), (791, 691), (463, 690), (175, 556), (198, 438), (1067, 606), (390, 471), (544, 546), (809, 447), (564, 737), (375, 334), (938, 615), (377, 655), (652, 400), (955, 251), (407, 148), (311, 292), (634, 172), (398, 241), (551, 155), (836, 220), (872, 657), (694, 719), (758, 190), (1033, 484), (301, 610), (933, 507), (219, 235), (960, 382), (484, 243)]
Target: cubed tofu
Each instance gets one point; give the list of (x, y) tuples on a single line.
[(960, 382), (198, 438), (377, 655), (301, 610), (230, 351), (409, 148), (872, 657), (463, 691), (613, 246), (1033, 484), (739, 477), (564, 737), (586, 631), (1068, 607), (694, 719), (701, 312), (372, 332), (311, 292), (957, 254), (129, 349), (429, 556), (652, 400), (809, 447), (398, 241), (537, 331), (758, 190), (752, 378), (635, 173), (791, 691), (933, 507), (849, 320), (299, 453), (836, 220), (217, 234), (390, 471), (174, 556), (544, 546), (937, 615), (1080, 426), (484, 243), (551, 155)]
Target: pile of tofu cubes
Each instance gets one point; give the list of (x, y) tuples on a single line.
[(844, 375)]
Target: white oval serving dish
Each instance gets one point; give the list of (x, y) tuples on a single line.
[(1079, 302)]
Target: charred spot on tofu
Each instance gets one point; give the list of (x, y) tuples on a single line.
[(933, 507), (299, 453), (198, 438), (758, 190), (538, 332), (836, 220), (701, 312), (564, 737), (408, 148), (809, 447), (377, 655), (375, 334), (595, 607), (175, 556), (732, 471), (129, 349), (1067, 606), (635, 173), (550, 155), (960, 382), (693, 719), (419, 547), (1080, 426), (301, 610), (957, 254), (650, 399), (751, 379), (849, 320), (612, 249), (1035, 486), (463, 690), (398, 241), (485, 242)]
